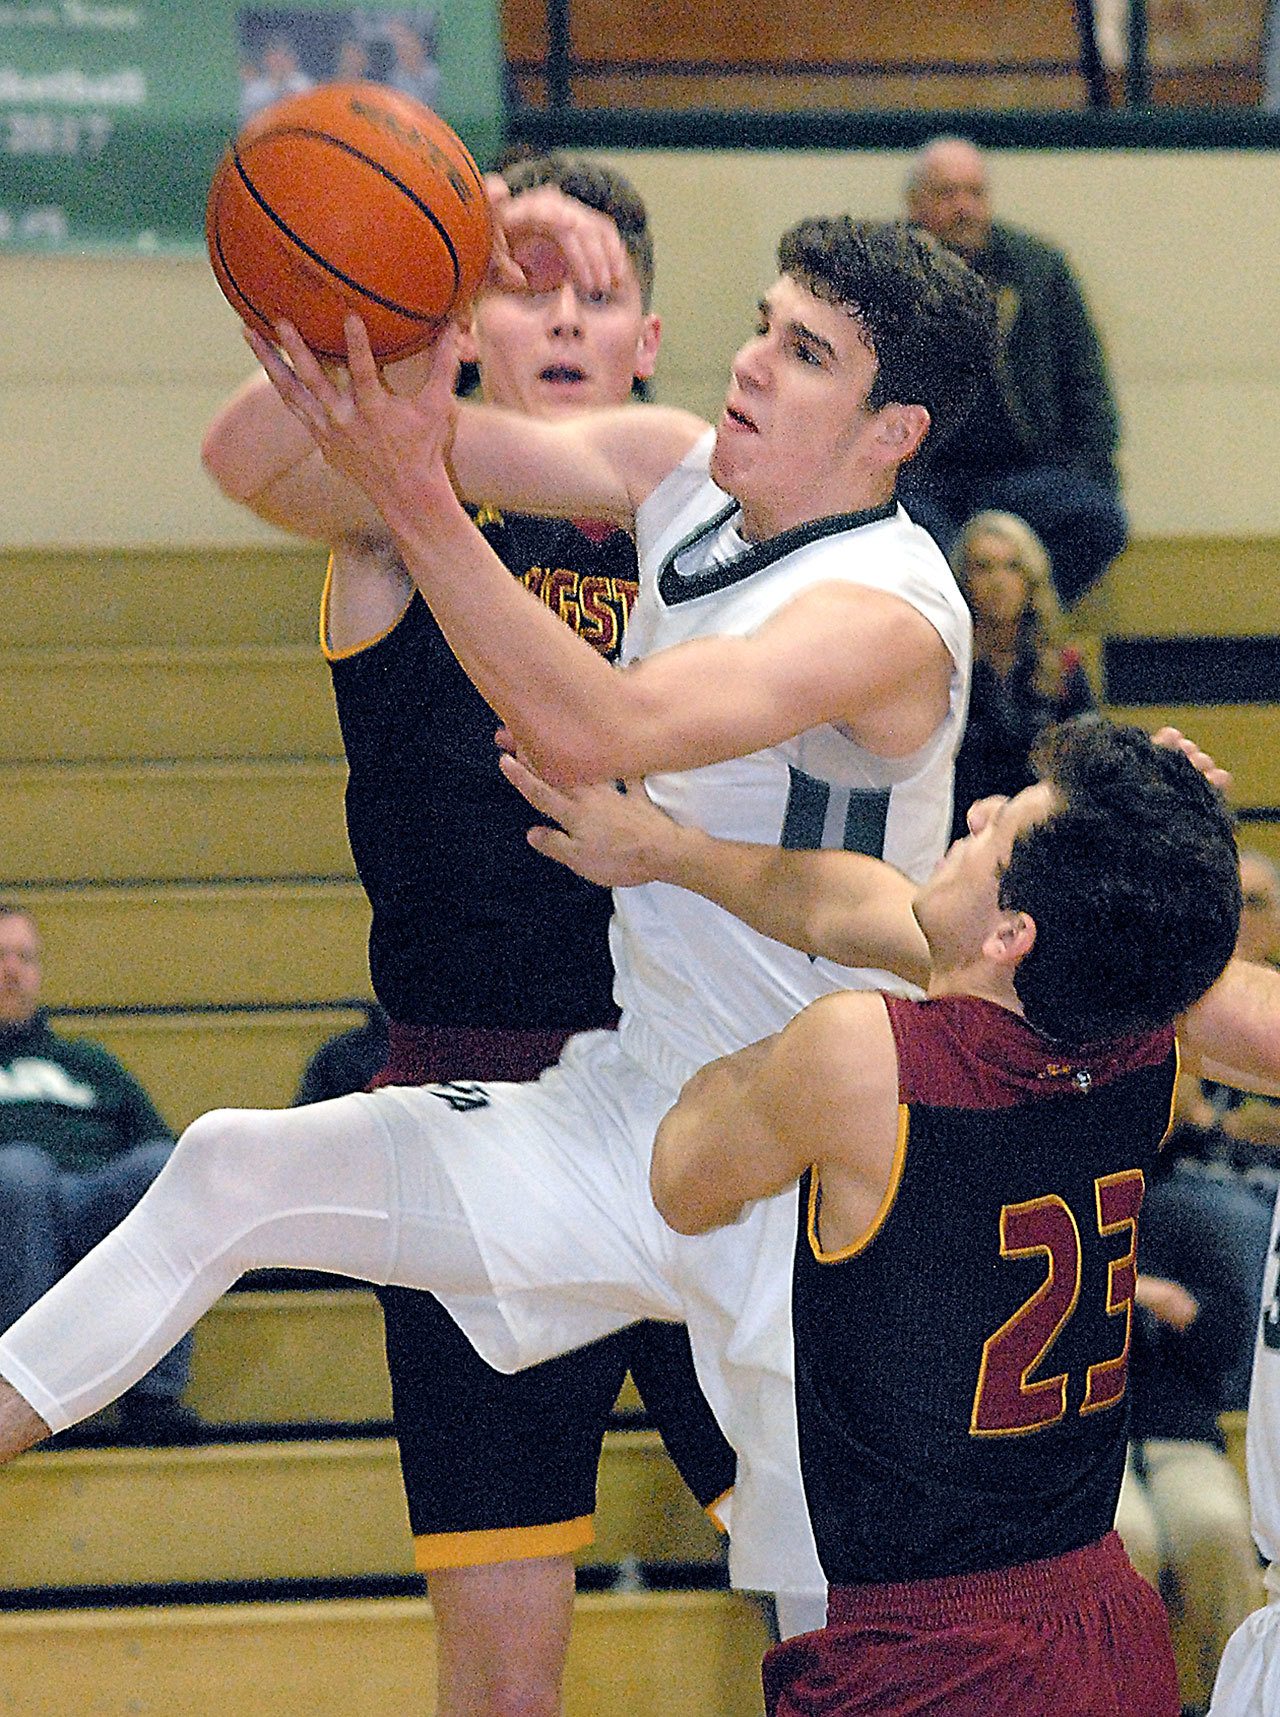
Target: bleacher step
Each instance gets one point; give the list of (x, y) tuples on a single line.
[(1245, 738), (150, 598), (299, 1356), (286, 1510), (116, 705), (290, 1358), (173, 822), (225, 945), (671, 1654)]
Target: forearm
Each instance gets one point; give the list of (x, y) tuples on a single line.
[(1232, 1034), (561, 700), (264, 459), (839, 906)]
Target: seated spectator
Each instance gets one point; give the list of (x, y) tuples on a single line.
[(1041, 440), (348, 1061), (1024, 676), (80, 1142), (1183, 1506), (277, 74)]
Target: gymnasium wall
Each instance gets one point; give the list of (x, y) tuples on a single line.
[(111, 367)]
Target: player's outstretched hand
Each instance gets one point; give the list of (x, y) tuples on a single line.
[(1169, 1302), (542, 236), (611, 835), (391, 444), (1173, 740)]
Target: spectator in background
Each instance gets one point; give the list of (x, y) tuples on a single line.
[(347, 1062), (1041, 441), (1200, 1246), (80, 1142), (413, 70), (279, 74), (1025, 677)]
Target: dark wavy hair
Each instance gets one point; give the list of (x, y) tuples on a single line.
[(928, 317), (599, 188), (1133, 883)]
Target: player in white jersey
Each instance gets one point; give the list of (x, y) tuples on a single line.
[(1248, 1681), (818, 684), (692, 981)]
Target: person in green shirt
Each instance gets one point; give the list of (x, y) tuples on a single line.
[(80, 1142)]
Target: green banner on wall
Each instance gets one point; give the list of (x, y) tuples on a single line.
[(113, 113)]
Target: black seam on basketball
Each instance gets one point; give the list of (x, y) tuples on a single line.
[(323, 261), (240, 292)]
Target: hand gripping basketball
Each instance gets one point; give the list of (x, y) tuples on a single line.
[(391, 445)]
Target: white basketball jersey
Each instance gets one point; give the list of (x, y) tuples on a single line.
[(1263, 1433), (694, 982)]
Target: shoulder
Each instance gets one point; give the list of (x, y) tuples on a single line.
[(843, 1043), (85, 1054), (1029, 258)]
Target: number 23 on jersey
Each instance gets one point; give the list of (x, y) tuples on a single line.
[(1007, 1400)]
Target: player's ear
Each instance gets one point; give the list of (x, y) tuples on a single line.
[(1011, 940), (647, 348), (903, 428)]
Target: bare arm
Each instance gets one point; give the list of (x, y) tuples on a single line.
[(837, 653), (261, 457), (824, 1091), (1232, 1034), (842, 906)]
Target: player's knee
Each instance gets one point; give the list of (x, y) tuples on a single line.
[(220, 1164), (521, 1696)]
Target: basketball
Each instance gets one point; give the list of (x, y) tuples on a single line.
[(349, 198)]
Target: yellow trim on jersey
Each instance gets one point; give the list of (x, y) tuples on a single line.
[(886, 1203), (712, 1510), (332, 655), (501, 1544), (1173, 1095)]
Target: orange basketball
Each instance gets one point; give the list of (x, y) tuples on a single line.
[(348, 198)]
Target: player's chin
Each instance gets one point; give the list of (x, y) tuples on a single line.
[(727, 457)]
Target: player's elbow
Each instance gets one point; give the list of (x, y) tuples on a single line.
[(679, 1195), (682, 1213), (220, 466)]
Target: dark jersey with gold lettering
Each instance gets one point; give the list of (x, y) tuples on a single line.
[(471, 927), (960, 1372)]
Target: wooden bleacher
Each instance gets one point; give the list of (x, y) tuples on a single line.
[(1210, 589)]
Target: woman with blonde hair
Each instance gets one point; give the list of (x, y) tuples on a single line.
[(1025, 675)]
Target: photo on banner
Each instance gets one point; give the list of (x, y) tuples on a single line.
[(285, 50), (114, 113)]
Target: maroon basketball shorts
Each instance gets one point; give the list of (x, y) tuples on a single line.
[(1079, 1635)]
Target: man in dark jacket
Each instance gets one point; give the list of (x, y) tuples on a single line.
[(1041, 442), (80, 1142)]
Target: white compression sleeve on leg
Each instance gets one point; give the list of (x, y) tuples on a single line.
[(313, 1187)]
